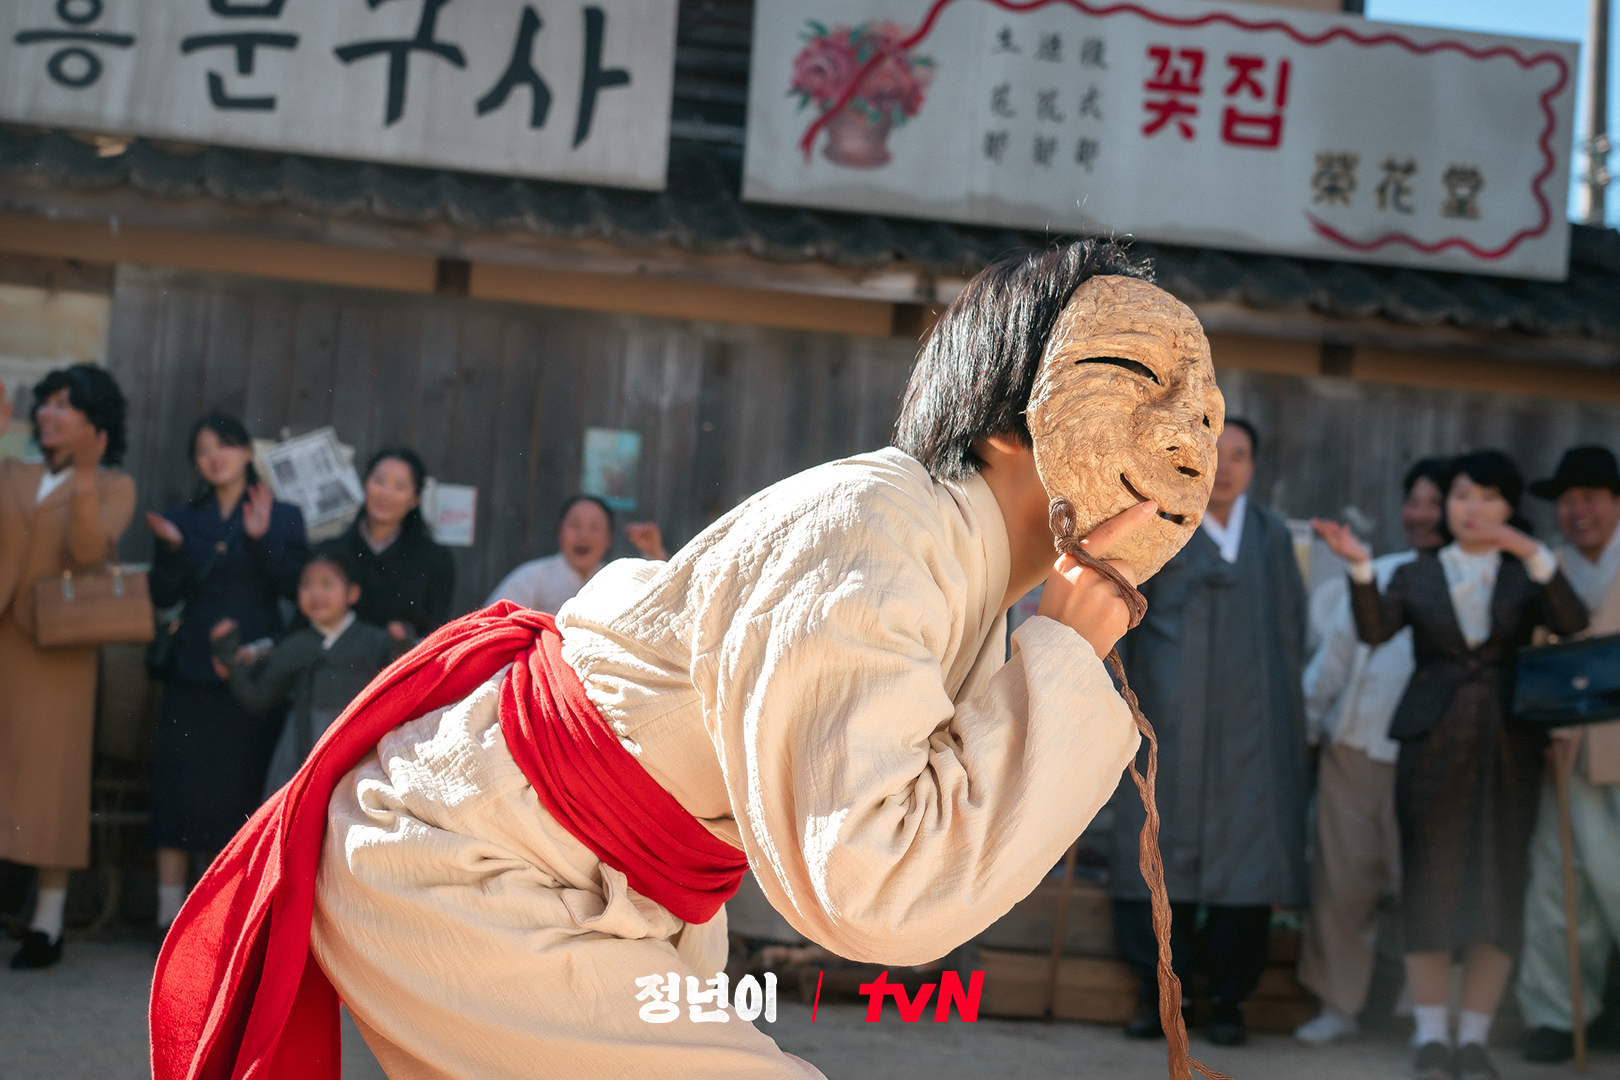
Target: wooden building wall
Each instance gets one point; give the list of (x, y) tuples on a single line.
[(499, 395), (495, 395)]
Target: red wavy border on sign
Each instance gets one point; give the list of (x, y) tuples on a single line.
[(1322, 228)]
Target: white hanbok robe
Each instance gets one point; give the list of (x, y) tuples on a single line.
[(819, 678)]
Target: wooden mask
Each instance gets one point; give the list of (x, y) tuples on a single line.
[(1125, 408)]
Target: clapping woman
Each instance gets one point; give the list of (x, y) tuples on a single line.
[(406, 579), (232, 552), (64, 514), (1467, 779)]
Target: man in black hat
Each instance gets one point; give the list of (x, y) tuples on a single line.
[(1586, 492)]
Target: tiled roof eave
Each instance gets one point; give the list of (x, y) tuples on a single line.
[(700, 212)]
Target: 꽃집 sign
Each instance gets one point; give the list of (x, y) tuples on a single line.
[(565, 89), (1236, 127)]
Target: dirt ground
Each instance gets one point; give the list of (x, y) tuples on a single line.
[(86, 1020)]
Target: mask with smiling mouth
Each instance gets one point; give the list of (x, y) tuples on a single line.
[(1125, 408)]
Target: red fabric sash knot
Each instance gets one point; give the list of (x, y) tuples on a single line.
[(237, 993)]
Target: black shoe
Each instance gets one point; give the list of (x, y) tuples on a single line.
[(1549, 1046), (38, 951), (1146, 1025), (1473, 1063), (1226, 1024), (1433, 1062)]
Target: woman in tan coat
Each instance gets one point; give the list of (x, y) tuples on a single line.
[(65, 513)]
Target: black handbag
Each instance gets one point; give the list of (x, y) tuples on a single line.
[(160, 651), (1573, 682)]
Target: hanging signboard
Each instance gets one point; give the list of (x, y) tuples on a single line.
[(1236, 127), (560, 89)]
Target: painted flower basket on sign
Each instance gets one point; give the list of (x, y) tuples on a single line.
[(873, 83)]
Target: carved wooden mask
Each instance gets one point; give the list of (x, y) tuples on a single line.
[(1125, 408)]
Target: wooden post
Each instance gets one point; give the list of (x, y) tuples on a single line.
[(1563, 766), (1060, 931)]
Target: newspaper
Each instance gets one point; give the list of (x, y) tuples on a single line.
[(312, 472)]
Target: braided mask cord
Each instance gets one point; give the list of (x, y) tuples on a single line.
[(1063, 520)]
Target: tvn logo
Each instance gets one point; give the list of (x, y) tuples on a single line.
[(951, 994)]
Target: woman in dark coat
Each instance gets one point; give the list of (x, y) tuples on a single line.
[(406, 580), (230, 553), (1467, 779)]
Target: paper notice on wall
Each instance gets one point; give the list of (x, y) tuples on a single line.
[(452, 514), (312, 472), (611, 469)]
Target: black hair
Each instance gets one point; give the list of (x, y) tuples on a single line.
[(335, 554), (1492, 469), (93, 391), (1248, 429), (413, 461), (230, 432), (974, 374), (575, 500), (1436, 470)]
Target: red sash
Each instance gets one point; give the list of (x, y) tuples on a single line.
[(237, 993)]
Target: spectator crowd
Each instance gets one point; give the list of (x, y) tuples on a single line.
[(267, 639), (1398, 720)]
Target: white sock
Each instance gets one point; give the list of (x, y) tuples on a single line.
[(170, 897), (48, 912), (1432, 1024), (1473, 1028)]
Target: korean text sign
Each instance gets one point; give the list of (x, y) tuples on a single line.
[(567, 89), (1230, 126)]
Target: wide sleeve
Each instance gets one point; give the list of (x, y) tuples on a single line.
[(282, 551), (885, 820), (261, 686), (98, 516), (1380, 615), (1328, 672)]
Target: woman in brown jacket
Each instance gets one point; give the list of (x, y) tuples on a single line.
[(65, 513), (1469, 775)]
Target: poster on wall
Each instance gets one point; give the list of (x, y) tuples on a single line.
[(1230, 126), (611, 467), (452, 513), (558, 88)]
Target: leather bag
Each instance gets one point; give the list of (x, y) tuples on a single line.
[(108, 607), (1573, 682)]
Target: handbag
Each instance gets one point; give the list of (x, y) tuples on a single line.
[(163, 649), (109, 607), (1573, 682)]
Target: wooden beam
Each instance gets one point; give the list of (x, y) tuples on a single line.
[(1273, 356), (329, 264), (293, 260), (1479, 374), (1435, 370), (680, 299)]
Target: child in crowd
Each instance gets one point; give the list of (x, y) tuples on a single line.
[(321, 666)]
